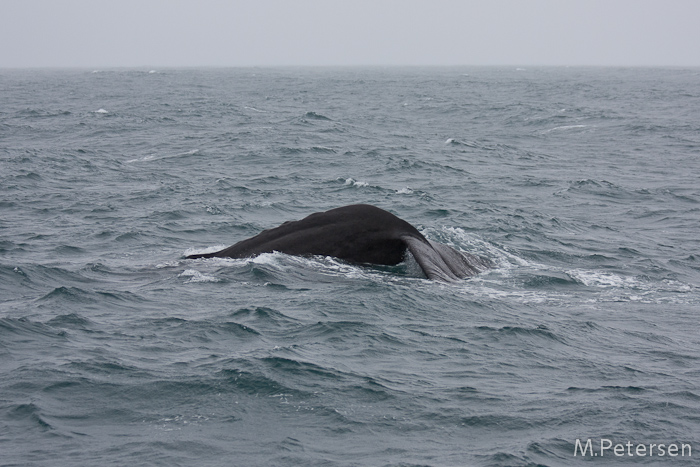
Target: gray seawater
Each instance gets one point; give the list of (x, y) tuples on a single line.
[(582, 185)]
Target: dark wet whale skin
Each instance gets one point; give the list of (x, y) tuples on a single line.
[(360, 234)]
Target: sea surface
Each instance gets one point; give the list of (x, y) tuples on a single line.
[(581, 185)]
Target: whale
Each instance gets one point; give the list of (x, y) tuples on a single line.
[(360, 234)]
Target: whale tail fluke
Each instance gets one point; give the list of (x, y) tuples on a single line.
[(443, 263)]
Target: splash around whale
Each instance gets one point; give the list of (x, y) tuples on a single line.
[(359, 234)]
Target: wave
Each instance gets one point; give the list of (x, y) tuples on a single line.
[(196, 276), (508, 332), (353, 182), (64, 297), (315, 116), (265, 316), (23, 328), (456, 142), (157, 157), (564, 128), (311, 149), (216, 330), (30, 413)]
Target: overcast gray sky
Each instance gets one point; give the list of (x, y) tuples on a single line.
[(165, 33)]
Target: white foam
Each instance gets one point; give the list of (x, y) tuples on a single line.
[(353, 182), (404, 191), (564, 128), (152, 157), (322, 148), (602, 279), (196, 276), (497, 283), (523, 296), (677, 286), (265, 258), (500, 256), (101, 111), (456, 142), (327, 265), (149, 157)]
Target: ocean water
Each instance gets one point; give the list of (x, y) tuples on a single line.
[(582, 185)]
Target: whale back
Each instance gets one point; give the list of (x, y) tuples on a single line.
[(360, 234)]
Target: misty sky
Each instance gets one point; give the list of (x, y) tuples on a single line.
[(172, 33)]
